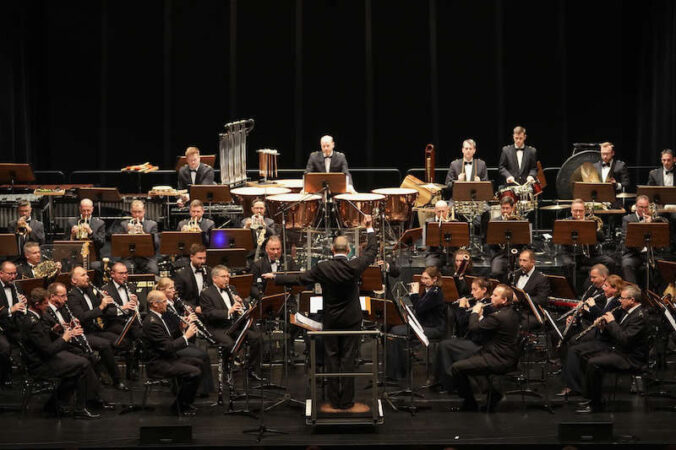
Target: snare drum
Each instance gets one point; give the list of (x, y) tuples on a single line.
[(299, 216), (398, 203), (537, 188), (246, 195), (346, 203), (509, 192)]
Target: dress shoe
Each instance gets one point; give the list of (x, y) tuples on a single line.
[(101, 404), (85, 414), (120, 386), (566, 392), (584, 403), (358, 408), (589, 409), (254, 376)]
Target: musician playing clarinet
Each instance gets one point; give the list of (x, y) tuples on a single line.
[(11, 305)]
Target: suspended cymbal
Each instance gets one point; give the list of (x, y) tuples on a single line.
[(626, 195), (555, 207)]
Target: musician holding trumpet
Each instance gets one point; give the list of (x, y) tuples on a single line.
[(138, 224), (25, 226), (260, 226), (86, 227), (197, 222)]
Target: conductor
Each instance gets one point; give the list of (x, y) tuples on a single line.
[(339, 278)]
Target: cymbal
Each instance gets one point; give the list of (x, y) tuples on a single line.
[(589, 173), (555, 207), (626, 195)]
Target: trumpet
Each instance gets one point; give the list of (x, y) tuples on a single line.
[(192, 226), (597, 323), (135, 226), (82, 225), (22, 226)]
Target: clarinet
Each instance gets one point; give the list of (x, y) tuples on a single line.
[(84, 342), (203, 333), (595, 324), (576, 312), (189, 309)]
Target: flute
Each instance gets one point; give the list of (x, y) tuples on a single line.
[(595, 324)]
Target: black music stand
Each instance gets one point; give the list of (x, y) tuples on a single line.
[(561, 287), (243, 284), (650, 236), (472, 191), (661, 195), (594, 192), (8, 245), (575, 233), (71, 251), (371, 279), (210, 193), (508, 233), (178, 242), (247, 320), (12, 174), (209, 160), (27, 285), (447, 235), (99, 195), (130, 246), (231, 257), (231, 238), (409, 238)]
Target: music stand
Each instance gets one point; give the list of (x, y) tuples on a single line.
[(26, 286), (178, 242), (65, 277), (409, 238), (99, 195), (210, 193), (72, 251), (130, 246), (270, 306), (650, 236), (447, 234), (508, 232), (334, 182), (231, 257), (11, 173), (594, 192), (371, 279), (667, 270), (8, 244), (209, 160), (561, 287), (243, 284), (575, 233), (231, 238), (272, 288), (472, 191), (661, 195), (523, 297)]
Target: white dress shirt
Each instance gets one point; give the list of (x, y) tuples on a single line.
[(668, 178), (58, 314), (468, 170), (199, 278), (226, 300), (523, 279), (327, 162), (519, 156)]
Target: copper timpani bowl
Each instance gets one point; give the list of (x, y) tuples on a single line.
[(352, 207), (302, 214), (398, 203), (246, 195)]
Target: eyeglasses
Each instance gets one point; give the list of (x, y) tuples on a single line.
[(626, 298)]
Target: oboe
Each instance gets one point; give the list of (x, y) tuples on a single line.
[(595, 324)]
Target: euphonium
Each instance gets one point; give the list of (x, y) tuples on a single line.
[(82, 232), (192, 226), (654, 216), (136, 226), (21, 229), (590, 216)]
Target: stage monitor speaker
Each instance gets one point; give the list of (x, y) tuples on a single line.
[(586, 431), (166, 435)]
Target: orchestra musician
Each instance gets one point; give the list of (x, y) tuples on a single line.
[(498, 354), (435, 255), (166, 286), (612, 170), (518, 162), (32, 255), (460, 257), (92, 309), (12, 305), (197, 222), (261, 227), (499, 259), (339, 280), (532, 282), (140, 225), (270, 262), (193, 172), (429, 308), (633, 259), (163, 359), (26, 227), (466, 168), (193, 278), (328, 160), (663, 176), (87, 227), (49, 354), (220, 308)]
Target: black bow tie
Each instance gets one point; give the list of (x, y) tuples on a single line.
[(224, 291), (669, 172), (519, 149), (524, 274), (200, 270), (468, 163), (193, 170), (327, 157), (605, 164), (274, 262)]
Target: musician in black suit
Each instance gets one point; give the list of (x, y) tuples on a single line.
[(518, 162), (628, 350), (434, 256), (328, 160), (466, 168), (197, 216), (339, 279), (220, 308), (261, 227), (612, 170), (498, 354), (532, 282), (193, 172), (663, 176), (270, 262), (25, 226), (11, 306), (32, 257), (50, 355), (500, 260), (94, 228), (193, 278), (162, 358), (633, 258), (140, 225)]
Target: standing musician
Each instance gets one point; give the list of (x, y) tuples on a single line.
[(435, 255), (532, 282), (627, 346), (429, 308), (339, 279), (163, 360), (466, 168), (518, 162), (197, 222), (500, 260), (87, 227), (11, 306), (193, 172), (220, 308), (270, 262), (193, 278), (634, 258), (175, 309), (91, 308), (140, 225), (25, 227), (612, 170), (50, 355), (497, 355), (663, 176), (328, 160), (261, 227)]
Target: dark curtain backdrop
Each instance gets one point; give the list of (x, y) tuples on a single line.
[(102, 84)]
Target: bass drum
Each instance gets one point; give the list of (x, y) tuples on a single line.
[(572, 171)]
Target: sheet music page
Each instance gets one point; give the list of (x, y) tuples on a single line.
[(416, 327), (318, 326)]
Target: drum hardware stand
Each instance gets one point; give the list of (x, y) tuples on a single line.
[(282, 211), (231, 387)]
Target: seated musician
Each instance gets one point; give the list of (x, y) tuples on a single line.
[(429, 308), (220, 308), (193, 172), (498, 354), (270, 262), (328, 160), (633, 259), (586, 256), (466, 168), (260, 226), (193, 278), (87, 227), (126, 308), (12, 305), (462, 257), (612, 170), (176, 305), (532, 282), (140, 225), (26, 227), (518, 162), (627, 346), (162, 358), (197, 222), (92, 308), (466, 343), (435, 255), (500, 260), (32, 256), (50, 354)]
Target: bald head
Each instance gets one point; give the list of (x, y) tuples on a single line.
[(327, 144), (341, 245), (79, 277)]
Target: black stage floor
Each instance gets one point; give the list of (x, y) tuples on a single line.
[(635, 422)]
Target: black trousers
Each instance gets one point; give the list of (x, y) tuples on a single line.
[(186, 369), (253, 338), (475, 365), (194, 352), (75, 374), (5, 358), (449, 352), (340, 354), (630, 268), (597, 366), (105, 349), (573, 368)]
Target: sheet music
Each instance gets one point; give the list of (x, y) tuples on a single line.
[(416, 327), (309, 322), (317, 303), (670, 318), (552, 323)]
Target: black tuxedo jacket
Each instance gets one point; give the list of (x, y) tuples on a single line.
[(315, 163), (98, 235), (214, 309), (430, 308), (149, 227), (263, 265), (24, 270), (457, 167), (500, 329), (37, 233), (9, 324), (39, 341), (538, 288), (509, 163), (618, 170), (656, 177), (631, 336), (205, 175), (205, 225), (87, 317), (339, 279), (186, 285), (159, 344)]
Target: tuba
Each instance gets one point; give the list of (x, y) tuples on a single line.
[(192, 226), (82, 232)]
